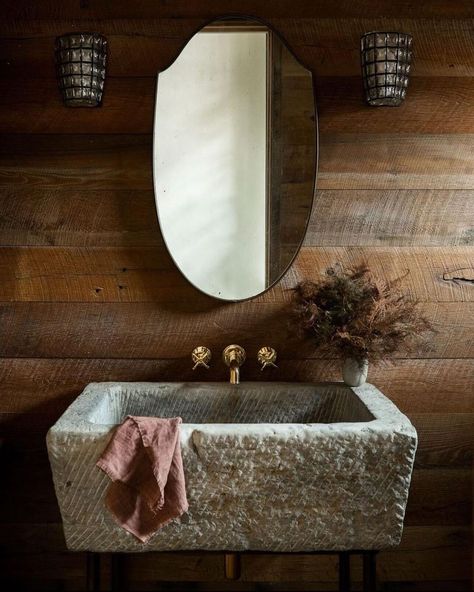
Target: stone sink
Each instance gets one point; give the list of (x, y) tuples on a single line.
[(269, 466)]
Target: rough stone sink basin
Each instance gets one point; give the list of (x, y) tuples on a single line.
[(269, 466)]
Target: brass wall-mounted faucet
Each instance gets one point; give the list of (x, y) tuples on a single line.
[(234, 356)]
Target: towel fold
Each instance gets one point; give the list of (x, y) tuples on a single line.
[(143, 459)]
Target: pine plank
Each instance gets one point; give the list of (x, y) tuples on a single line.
[(438, 105), (428, 554)]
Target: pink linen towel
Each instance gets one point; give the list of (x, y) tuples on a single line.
[(143, 459)]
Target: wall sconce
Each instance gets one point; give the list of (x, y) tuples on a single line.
[(80, 61), (385, 60)]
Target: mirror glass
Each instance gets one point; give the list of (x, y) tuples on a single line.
[(235, 153)]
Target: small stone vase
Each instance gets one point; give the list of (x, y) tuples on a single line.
[(354, 372)]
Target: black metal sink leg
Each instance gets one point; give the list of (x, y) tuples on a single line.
[(344, 571), (370, 571), (93, 572)]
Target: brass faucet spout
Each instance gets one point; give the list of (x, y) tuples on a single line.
[(234, 357), (234, 374)]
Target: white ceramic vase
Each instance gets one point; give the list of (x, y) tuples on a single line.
[(354, 372)]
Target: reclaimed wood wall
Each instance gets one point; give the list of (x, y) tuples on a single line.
[(88, 292)]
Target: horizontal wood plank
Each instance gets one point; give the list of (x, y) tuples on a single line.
[(54, 567), (53, 274), (78, 217), (444, 440), (391, 217), (49, 9), (396, 161), (76, 162), (425, 554), (440, 497), (433, 106), (117, 217), (48, 386), (420, 558), (328, 46), (144, 330), (438, 105), (347, 161)]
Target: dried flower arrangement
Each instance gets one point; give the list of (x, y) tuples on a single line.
[(355, 315)]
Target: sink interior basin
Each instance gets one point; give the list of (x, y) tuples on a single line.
[(247, 403)]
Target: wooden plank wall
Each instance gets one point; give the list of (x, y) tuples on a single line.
[(88, 293)]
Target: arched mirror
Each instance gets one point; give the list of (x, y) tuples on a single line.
[(235, 155)]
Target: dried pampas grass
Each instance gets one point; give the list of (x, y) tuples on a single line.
[(353, 314)]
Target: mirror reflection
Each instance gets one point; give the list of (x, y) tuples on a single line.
[(234, 158)]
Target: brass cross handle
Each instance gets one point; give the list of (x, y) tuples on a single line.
[(267, 357), (201, 356)]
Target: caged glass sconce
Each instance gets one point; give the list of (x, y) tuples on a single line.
[(80, 61), (385, 60)]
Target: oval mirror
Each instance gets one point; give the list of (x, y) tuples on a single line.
[(235, 153)]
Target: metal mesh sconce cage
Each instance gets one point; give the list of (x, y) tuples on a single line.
[(385, 60), (80, 62)]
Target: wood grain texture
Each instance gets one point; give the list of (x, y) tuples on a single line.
[(438, 105), (48, 386), (396, 161), (109, 330), (328, 46), (78, 217), (30, 9), (76, 162), (414, 558), (445, 558), (444, 440), (394, 217), (45, 274), (347, 161), (439, 497), (120, 217)]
